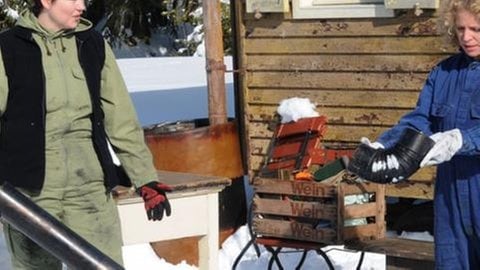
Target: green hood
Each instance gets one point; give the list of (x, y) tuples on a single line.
[(28, 20)]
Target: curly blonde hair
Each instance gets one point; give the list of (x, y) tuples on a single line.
[(450, 10)]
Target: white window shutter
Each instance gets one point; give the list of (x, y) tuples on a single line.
[(267, 6), (411, 4), (345, 2), (323, 9)]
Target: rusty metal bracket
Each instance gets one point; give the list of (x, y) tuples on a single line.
[(219, 65), (215, 65)]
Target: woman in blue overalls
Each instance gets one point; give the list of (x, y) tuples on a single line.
[(448, 110)]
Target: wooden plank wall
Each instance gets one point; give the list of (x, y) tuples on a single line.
[(363, 74)]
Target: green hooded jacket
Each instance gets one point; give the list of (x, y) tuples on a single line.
[(68, 108)]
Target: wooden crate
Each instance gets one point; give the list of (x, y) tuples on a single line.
[(315, 211)]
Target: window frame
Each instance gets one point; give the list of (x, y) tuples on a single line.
[(311, 9)]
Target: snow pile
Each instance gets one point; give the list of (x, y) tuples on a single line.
[(296, 108)]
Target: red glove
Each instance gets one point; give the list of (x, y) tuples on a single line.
[(155, 199)]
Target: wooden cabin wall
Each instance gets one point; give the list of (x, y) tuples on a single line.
[(363, 74)]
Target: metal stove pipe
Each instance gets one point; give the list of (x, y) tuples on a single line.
[(394, 164)]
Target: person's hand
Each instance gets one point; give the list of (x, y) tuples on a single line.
[(374, 145), (446, 145), (155, 198)]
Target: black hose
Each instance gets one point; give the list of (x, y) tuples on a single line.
[(393, 164)]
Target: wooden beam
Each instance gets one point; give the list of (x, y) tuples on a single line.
[(212, 20)]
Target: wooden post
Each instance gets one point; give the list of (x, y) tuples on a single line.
[(215, 66)]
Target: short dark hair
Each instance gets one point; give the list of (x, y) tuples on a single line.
[(37, 6)]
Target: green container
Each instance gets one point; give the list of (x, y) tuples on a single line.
[(329, 170)]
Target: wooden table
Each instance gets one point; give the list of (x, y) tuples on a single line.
[(194, 203)]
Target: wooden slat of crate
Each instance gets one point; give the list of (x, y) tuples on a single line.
[(287, 187), (293, 230), (358, 188), (360, 210), (381, 212), (374, 209), (291, 208)]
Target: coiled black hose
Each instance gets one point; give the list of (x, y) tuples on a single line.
[(393, 164)]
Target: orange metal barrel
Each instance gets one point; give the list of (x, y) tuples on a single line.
[(196, 147)]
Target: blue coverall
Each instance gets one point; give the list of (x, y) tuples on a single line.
[(450, 99)]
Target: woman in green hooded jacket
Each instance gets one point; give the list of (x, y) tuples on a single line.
[(62, 100)]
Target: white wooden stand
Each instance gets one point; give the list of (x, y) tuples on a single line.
[(194, 203)]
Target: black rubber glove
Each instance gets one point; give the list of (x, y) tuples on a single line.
[(155, 198)]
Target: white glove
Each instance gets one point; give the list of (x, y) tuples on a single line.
[(374, 145), (446, 145)]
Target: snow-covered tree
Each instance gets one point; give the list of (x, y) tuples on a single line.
[(138, 22), (9, 10), (130, 21)]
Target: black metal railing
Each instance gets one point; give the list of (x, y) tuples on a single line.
[(49, 233)]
